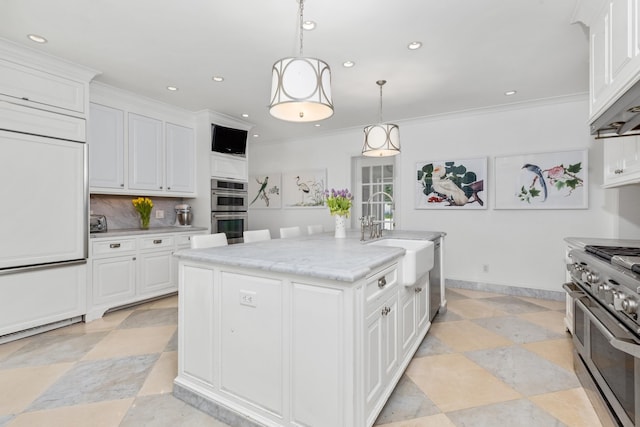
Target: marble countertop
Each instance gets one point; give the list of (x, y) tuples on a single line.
[(137, 231), (318, 255), (581, 242)]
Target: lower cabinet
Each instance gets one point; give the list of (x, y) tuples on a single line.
[(131, 269), (343, 344)]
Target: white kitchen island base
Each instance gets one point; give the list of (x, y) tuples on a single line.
[(264, 347)]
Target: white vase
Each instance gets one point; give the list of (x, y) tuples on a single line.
[(341, 227)]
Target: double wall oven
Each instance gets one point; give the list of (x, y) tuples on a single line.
[(229, 203), (604, 292)]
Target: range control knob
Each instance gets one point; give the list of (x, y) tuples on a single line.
[(593, 278), (629, 305)]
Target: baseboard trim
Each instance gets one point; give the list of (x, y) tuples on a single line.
[(506, 290)]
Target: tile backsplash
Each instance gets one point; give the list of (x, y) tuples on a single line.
[(121, 214)]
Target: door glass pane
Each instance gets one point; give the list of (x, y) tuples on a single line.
[(376, 173), (388, 171), (366, 173)]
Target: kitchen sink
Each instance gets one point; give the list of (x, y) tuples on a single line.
[(417, 260)]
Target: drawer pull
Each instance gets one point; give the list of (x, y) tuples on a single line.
[(157, 241), (382, 282), (386, 311), (114, 245), (418, 290)]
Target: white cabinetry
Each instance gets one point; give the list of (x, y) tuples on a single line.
[(229, 166), (414, 314), (131, 269), (614, 34), (146, 155), (106, 147), (621, 161), (133, 153), (319, 341), (180, 158), (40, 89), (381, 334)]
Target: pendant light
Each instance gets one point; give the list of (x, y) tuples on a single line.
[(382, 139), (301, 87)]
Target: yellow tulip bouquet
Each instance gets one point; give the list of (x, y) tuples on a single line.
[(143, 205)]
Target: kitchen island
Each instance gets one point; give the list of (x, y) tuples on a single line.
[(310, 331)]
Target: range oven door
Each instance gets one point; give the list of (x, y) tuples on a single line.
[(611, 355), (232, 224)]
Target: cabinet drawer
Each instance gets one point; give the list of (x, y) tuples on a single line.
[(380, 284), (113, 247), (156, 242), (40, 88)]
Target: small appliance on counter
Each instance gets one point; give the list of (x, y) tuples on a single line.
[(183, 215), (97, 224)]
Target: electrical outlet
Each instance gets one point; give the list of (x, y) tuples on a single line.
[(159, 214), (248, 298)]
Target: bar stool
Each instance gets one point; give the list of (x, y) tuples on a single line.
[(315, 229), (287, 232), (256, 235), (208, 241)]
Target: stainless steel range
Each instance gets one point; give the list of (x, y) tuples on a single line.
[(605, 293)]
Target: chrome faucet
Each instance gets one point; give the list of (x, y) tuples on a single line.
[(368, 221)]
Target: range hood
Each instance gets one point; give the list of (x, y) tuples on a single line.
[(622, 118)]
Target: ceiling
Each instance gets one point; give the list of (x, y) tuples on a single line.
[(473, 51)]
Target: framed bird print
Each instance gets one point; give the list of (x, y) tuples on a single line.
[(265, 191), (556, 180), (455, 184), (304, 189)]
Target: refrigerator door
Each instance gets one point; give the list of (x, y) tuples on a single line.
[(44, 200)]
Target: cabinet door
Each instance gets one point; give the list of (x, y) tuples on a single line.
[(113, 280), (381, 348), (155, 275), (146, 157), (621, 37), (408, 319), (106, 147), (181, 152), (621, 161), (32, 86), (422, 302)]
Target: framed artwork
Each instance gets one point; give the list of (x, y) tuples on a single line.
[(265, 191), (556, 180), (456, 184), (304, 189)]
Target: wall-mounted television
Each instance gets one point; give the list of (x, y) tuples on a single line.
[(228, 140)]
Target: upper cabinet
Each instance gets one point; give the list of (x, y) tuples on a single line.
[(614, 43), (621, 161), (135, 150)]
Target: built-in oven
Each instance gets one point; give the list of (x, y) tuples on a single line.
[(606, 336), (229, 196), (233, 224)]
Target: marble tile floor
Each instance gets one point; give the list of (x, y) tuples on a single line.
[(489, 360)]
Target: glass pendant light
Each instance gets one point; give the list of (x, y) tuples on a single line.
[(301, 87), (382, 139)]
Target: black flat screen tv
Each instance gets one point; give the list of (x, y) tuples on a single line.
[(228, 140)]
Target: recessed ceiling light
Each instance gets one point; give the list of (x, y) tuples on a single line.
[(36, 38), (309, 25), (172, 88), (414, 45), (317, 125), (510, 92), (217, 78), (245, 115), (255, 135), (348, 64)]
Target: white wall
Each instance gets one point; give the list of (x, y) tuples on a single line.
[(522, 248)]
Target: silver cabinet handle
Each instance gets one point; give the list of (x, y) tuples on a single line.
[(618, 171), (114, 245), (418, 290), (157, 241), (382, 281), (121, 185)]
